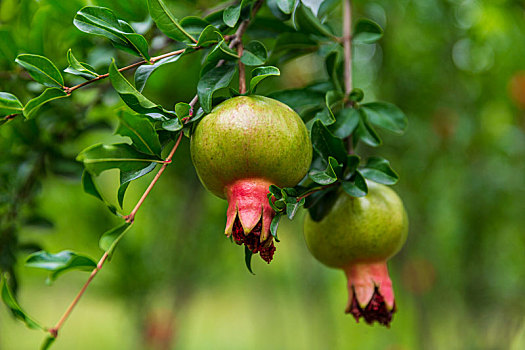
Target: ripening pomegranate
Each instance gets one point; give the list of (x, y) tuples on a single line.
[(243, 146), (358, 235)]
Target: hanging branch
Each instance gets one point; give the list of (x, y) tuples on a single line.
[(235, 41)]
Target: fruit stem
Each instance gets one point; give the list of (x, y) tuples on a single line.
[(242, 71)]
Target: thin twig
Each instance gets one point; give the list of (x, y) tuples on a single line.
[(54, 331), (68, 90), (11, 116), (242, 70), (347, 45), (131, 216)]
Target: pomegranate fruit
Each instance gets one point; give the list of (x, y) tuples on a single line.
[(358, 235), (243, 146)]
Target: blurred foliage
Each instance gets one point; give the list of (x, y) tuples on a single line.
[(454, 67)]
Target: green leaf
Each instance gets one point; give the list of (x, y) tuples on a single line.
[(254, 54), (328, 176), (134, 99), (345, 123), (386, 115), (9, 104), (182, 109), (260, 73), (172, 125), (102, 21), (231, 14), (144, 71), (326, 144), (10, 301), (357, 186), (378, 169), (141, 132), (295, 41), (48, 95), (89, 186), (334, 68), (248, 258), (291, 208), (356, 95), (60, 262), (194, 25), (352, 163), (213, 80), (210, 35), (274, 225), (41, 70), (333, 99), (320, 203), (286, 5), (365, 132), (221, 51), (167, 23), (366, 32), (99, 158), (78, 68), (109, 240), (305, 19), (48, 342)]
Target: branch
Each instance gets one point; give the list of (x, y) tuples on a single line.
[(235, 40), (347, 44), (242, 70)]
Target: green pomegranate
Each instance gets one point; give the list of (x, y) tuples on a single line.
[(243, 146), (358, 235)]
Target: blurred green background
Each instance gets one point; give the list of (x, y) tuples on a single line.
[(457, 69)]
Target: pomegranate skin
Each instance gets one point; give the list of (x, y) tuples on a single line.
[(358, 236), (250, 137), (243, 146)]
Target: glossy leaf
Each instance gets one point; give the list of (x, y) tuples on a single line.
[(357, 186), (308, 22), (144, 71), (134, 99), (10, 301), (286, 6), (295, 41), (141, 132), (219, 52), (274, 225), (89, 186), (99, 158), (291, 208), (378, 169), (213, 80), (60, 262), (386, 115), (167, 23), (9, 104), (48, 95), (194, 25), (41, 70), (345, 123), (260, 73), (102, 21), (231, 14), (248, 258), (78, 68), (210, 35), (326, 144), (365, 132), (329, 175), (320, 203), (109, 240), (172, 125), (48, 342), (254, 54), (334, 68), (367, 32), (333, 99)]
